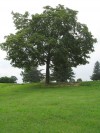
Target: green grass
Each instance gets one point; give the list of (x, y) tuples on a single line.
[(35, 108)]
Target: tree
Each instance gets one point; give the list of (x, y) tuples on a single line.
[(6, 79), (62, 74), (13, 79), (96, 72), (79, 80), (39, 37), (62, 71), (32, 75)]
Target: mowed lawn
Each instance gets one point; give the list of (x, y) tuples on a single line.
[(32, 108)]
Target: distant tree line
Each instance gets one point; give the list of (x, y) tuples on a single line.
[(6, 79)]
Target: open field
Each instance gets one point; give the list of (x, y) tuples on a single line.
[(32, 108)]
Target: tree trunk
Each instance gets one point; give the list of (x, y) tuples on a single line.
[(47, 71)]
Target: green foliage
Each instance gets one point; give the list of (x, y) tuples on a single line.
[(62, 73), (79, 80), (32, 75), (39, 38), (96, 72), (28, 108), (6, 79), (90, 83)]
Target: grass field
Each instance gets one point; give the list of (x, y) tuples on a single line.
[(32, 108)]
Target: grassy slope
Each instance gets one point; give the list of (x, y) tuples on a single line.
[(34, 109)]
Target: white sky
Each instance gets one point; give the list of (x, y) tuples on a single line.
[(89, 11)]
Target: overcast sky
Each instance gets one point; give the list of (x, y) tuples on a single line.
[(89, 11)]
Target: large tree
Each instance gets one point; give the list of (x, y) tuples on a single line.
[(96, 71), (39, 37)]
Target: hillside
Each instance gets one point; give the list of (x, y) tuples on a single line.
[(35, 108)]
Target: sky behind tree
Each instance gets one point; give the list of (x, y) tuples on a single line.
[(88, 13)]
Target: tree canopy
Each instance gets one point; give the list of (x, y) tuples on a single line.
[(40, 37)]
